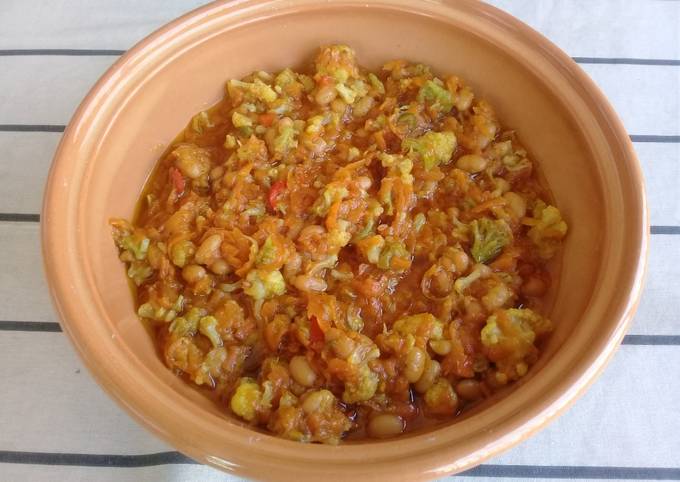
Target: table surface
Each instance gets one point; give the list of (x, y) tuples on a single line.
[(57, 424)]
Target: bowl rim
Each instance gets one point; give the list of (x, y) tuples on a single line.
[(396, 456)]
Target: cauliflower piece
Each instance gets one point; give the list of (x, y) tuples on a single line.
[(547, 229), (509, 336), (160, 313), (257, 90), (264, 284), (268, 253), (186, 325), (436, 95), (207, 325), (376, 83), (433, 148), (440, 399), (402, 166), (479, 271), (337, 61), (394, 256), (489, 238), (253, 150), (249, 399), (241, 120), (362, 386), (286, 140), (315, 417), (201, 121), (347, 94), (422, 324), (285, 77), (334, 192), (136, 244), (181, 252), (138, 271)]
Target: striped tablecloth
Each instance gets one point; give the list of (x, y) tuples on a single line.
[(57, 424)]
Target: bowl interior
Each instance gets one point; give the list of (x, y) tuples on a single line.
[(139, 108)]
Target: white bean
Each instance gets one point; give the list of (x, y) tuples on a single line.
[(209, 249), (385, 425), (430, 374), (471, 163), (415, 364), (516, 203), (309, 283), (301, 371)]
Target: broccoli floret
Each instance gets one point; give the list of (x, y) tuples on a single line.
[(548, 229), (436, 95), (489, 238), (264, 284), (433, 148)]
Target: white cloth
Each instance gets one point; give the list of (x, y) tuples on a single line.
[(56, 424)]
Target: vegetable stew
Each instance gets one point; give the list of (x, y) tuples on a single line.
[(343, 253)]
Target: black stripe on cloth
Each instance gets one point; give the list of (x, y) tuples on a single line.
[(625, 61), (663, 139), (664, 229), (52, 327), (31, 128), (662, 340), (93, 460), (655, 138), (20, 217), (574, 472), (490, 470), (116, 52), (60, 52), (45, 326)]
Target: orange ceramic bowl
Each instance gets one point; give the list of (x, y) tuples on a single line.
[(147, 97)]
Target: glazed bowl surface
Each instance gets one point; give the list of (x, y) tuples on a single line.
[(147, 97)]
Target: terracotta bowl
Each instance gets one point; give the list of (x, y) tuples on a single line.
[(147, 97)]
